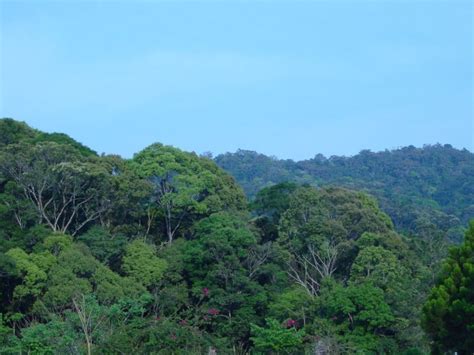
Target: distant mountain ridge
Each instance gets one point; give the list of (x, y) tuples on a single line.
[(422, 189)]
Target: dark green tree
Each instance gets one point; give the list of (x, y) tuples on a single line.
[(448, 315)]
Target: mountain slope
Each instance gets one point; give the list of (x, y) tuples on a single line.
[(420, 188)]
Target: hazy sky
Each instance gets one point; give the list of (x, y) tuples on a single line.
[(287, 78)]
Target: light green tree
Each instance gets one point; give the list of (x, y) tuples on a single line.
[(141, 263), (275, 337), (33, 275)]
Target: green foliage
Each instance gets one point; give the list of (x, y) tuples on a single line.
[(168, 336), (64, 140), (104, 246), (294, 303), (49, 338), (141, 263), (357, 306), (163, 254), (128, 215), (8, 340), (256, 171), (185, 187), (329, 219), (358, 316), (378, 265), (448, 315), (12, 132), (57, 243), (67, 190), (332, 213), (411, 184), (76, 272), (216, 260), (273, 201), (274, 337), (269, 204), (33, 276)]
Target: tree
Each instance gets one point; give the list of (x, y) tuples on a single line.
[(33, 271), (47, 338), (320, 228), (302, 268), (8, 340), (310, 269), (275, 337), (331, 213), (408, 182), (185, 186), (76, 272), (67, 190), (89, 317), (216, 260), (268, 205), (448, 315), (357, 314), (104, 246), (378, 265), (128, 213), (294, 303), (12, 132), (141, 263)]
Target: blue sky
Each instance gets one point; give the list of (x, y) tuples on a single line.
[(285, 78)]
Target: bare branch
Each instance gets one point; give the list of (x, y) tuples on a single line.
[(310, 269)]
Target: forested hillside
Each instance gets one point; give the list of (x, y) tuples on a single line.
[(164, 254), (421, 189)]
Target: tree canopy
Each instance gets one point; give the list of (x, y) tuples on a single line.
[(422, 189), (163, 253)]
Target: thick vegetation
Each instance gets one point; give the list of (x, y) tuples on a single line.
[(163, 254), (449, 312), (424, 190)]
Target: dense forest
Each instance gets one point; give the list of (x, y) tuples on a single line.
[(164, 253), (423, 190)]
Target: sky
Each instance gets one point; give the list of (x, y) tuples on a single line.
[(285, 78)]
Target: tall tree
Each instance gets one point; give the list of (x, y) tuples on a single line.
[(67, 190), (185, 186), (449, 311)]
